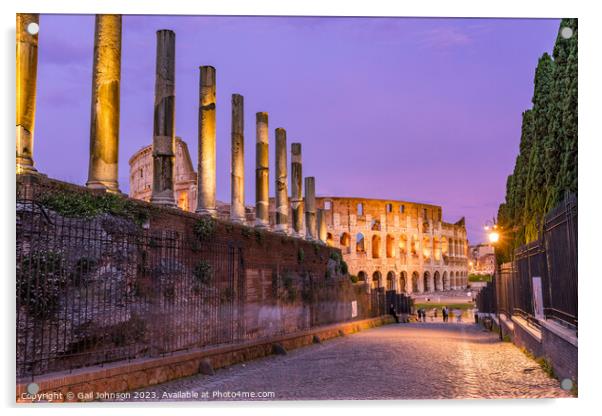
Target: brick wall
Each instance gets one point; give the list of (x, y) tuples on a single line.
[(141, 292)]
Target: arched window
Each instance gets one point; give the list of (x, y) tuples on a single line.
[(359, 243), (415, 286), (345, 240), (389, 208), (426, 284), (390, 246), (360, 209), (362, 276), (391, 280), (402, 282), (376, 246), (376, 280), (327, 205)]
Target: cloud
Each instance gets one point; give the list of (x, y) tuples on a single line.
[(443, 37)]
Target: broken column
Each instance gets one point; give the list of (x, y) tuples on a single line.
[(322, 225), (281, 183), (104, 119), (206, 161), (261, 171), (237, 206), (310, 208), (164, 122), (26, 71), (296, 189)]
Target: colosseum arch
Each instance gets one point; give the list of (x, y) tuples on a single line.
[(426, 282), (427, 252), (403, 245), (415, 284), (438, 282), (345, 241), (376, 246), (362, 276), (444, 246), (329, 240), (377, 278), (445, 281), (390, 246), (360, 245), (436, 248), (403, 278), (454, 280), (391, 280), (414, 246)]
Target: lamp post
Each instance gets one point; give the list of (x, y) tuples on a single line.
[(493, 234)]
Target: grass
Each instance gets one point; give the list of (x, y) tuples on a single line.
[(450, 306), (479, 278)]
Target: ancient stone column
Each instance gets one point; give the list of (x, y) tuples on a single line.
[(26, 71), (322, 225), (164, 123), (206, 161), (296, 189), (281, 182), (104, 119), (261, 171), (310, 208), (237, 206)]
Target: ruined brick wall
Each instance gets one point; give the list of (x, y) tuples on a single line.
[(140, 285)]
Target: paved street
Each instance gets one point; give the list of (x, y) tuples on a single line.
[(406, 361)]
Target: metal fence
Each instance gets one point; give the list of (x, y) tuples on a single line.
[(553, 258), (486, 299), (92, 291)]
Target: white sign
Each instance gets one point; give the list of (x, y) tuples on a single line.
[(354, 309), (537, 297)]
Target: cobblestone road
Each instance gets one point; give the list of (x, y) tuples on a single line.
[(406, 361)]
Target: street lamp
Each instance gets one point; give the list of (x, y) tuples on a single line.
[(494, 237)]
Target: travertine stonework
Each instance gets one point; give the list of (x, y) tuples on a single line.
[(397, 244)]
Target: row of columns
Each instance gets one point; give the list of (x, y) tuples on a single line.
[(104, 134)]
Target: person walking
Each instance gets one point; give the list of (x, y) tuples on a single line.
[(392, 312), (445, 313)]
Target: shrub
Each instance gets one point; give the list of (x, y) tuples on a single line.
[(353, 278), (40, 279), (83, 268), (204, 229), (344, 267), (87, 205), (203, 272)]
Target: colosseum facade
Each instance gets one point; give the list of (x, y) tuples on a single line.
[(399, 245)]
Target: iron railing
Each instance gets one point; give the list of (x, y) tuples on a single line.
[(95, 290)]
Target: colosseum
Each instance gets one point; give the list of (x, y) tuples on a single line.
[(398, 245)]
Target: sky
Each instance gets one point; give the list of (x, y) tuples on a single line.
[(416, 109)]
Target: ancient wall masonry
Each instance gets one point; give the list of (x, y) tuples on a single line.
[(104, 120)]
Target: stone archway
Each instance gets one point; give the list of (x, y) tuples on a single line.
[(403, 277), (445, 281), (426, 282), (391, 280), (377, 280), (438, 282), (415, 285)]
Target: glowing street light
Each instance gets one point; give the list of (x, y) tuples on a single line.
[(494, 237)]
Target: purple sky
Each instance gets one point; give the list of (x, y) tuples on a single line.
[(426, 110)]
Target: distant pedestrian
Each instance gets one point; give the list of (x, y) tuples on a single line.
[(445, 313), (458, 314), (392, 312), (423, 315)]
